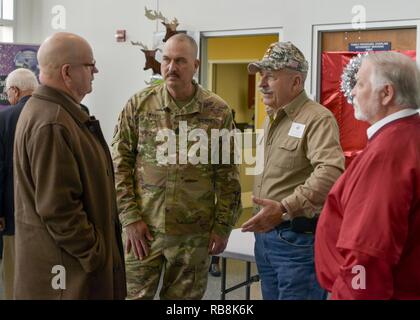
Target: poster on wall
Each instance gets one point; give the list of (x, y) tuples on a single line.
[(13, 56)]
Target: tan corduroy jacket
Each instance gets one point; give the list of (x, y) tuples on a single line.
[(65, 206)]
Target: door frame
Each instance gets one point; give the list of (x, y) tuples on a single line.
[(205, 72), (204, 35), (318, 29)]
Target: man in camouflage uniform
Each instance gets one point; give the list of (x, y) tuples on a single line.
[(174, 214), (302, 160)]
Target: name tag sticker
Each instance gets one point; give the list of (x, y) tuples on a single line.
[(297, 130)]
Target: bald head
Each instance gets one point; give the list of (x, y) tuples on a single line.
[(59, 49), (184, 38), (66, 63), (179, 64)]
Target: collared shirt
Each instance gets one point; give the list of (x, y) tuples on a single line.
[(302, 157), (392, 117)]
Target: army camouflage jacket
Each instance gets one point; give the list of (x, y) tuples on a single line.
[(176, 197)]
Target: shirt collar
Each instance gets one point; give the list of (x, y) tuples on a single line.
[(293, 106), (64, 100), (392, 117), (193, 106), (24, 99)]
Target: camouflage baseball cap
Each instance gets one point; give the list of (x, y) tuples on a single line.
[(278, 56)]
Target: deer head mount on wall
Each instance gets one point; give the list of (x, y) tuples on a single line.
[(150, 54), (169, 25)]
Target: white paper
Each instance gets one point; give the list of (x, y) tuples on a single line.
[(297, 130)]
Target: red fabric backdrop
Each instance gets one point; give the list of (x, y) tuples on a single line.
[(353, 136)]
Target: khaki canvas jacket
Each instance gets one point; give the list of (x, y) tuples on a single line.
[(302, 159)]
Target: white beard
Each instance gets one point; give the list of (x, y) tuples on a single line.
[(358, 112)]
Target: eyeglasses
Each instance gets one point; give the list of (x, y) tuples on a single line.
[(91, 65)]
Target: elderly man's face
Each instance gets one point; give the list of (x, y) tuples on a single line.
[(12, 94), (178, 64), (277, 87), (366, 97), (83, 73)]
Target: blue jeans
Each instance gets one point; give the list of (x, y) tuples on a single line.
[(285, 262)]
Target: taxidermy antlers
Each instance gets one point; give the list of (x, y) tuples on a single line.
[(151, 62), (169, 25)]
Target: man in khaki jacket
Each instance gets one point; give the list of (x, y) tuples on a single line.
[(302, 160), (68, 238)]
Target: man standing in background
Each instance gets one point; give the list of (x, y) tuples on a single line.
[(20, 84)]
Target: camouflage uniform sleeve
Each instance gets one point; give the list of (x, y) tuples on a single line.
[(228, 189), (124, 152)]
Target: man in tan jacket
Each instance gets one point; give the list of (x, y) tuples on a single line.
[(302, 160), (68, 238)]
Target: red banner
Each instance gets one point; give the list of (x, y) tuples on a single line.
[(353, 136)]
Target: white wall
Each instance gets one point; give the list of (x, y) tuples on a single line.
[(120, 64), (25, 31)]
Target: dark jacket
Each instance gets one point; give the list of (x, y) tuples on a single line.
[(8, 120), (65, 209)]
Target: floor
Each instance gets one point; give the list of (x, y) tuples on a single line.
[(235, 275)]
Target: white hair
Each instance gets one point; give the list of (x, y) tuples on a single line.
[(23, 79), (401, 72)]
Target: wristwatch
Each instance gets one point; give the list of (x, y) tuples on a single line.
[(285, 216)]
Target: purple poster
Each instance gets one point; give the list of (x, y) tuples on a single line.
[(13, 56)]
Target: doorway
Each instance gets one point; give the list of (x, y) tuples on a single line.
[(224, 60), (337, 48)]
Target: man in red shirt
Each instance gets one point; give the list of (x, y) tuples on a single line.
[(368, 236)]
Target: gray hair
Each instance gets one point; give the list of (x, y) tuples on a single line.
[(303, 75), (23, 79), (399, 71)]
